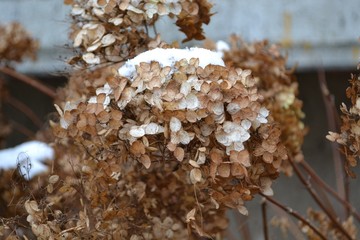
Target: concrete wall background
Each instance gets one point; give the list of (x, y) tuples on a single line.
[(315, 33)]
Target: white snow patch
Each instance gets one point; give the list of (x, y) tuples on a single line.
[(261, 117), (222, 46), (28, 157), (263, 113), (168, 57)]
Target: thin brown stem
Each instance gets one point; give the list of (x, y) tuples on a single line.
[(30, 81), (327, 188), (3, 120), (24, 109), (342, 183), (155, 30), (264, 219), (295, 215), (317, 199), (22, 129)]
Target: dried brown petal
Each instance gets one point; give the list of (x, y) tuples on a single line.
[(195, 175), (224, 170), (53, 179), (190, 216), (179, 154), (146, 161), (137, 148)]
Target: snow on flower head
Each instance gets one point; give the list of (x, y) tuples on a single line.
[(183, 105), (222, 46), (168, 57)]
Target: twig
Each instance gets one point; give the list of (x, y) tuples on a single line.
[(24, 109), (21, 129), (2, 115), (264, 218), (199, 206), (342, 185), (331, 191), (146, 28), (155, 30), (71, 229), (30, 81), (294, 214), (317, 199)]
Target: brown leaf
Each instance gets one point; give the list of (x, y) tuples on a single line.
[(237, 170), (53, 179), (31, 207), (192, 17), (179, 153), (216, 156), (101, 98), (171, 146), (190, 216), (195, 175), (241, 157), (82, 122), (146, 161), (103, 117), (213, 170), (224, 170), (265, 187), (116, 114), (137, 148), (268, 157)]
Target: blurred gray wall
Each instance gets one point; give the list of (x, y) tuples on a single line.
[(314, 33)]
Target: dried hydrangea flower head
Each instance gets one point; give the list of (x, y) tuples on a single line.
[(183, 112), (349, 137), (276, 84), (16, 43), (326, 226), (112, 31)]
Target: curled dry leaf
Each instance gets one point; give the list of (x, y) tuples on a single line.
[(266, 186), (53, 179), (146, 161), (179, 153), (31, 207), (224, 170), (190, 216), (195, 175)]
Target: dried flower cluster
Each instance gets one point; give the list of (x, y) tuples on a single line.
[(195, 132), (161, 146), (16, 43), (349, 137), (326, 226), (276, 84), (113, 31)]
